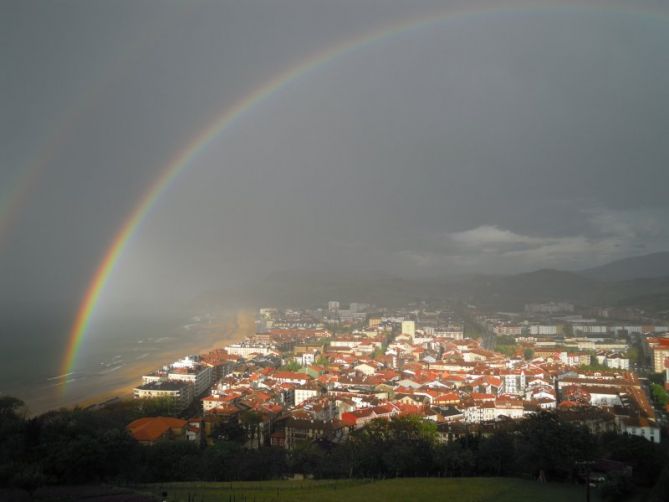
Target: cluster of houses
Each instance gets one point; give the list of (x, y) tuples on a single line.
[(288, 385), (574, 339)]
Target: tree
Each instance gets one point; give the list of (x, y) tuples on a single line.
[(634, 355), (456, 459), (660, 395), (12, 408), (292, 366), (252, 422), (547, 446), (403, 446), (496, 454), (173, 461)]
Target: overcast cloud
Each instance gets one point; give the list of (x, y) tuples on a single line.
[(491, 143)]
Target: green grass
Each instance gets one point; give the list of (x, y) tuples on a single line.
[(405, 489)]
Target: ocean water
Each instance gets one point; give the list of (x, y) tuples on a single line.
[(32, 352)]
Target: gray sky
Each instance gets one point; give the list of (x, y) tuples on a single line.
[(497, 142)]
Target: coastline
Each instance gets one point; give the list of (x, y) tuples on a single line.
[(237, 326), (235, 329)]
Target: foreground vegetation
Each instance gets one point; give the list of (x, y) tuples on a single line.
[(78, 447)]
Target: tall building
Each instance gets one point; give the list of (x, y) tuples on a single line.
[(659, 348), (408, 328)]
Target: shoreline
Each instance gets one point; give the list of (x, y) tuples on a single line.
[(237, 326), (236, 330)]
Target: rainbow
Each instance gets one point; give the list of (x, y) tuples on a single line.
[(185, 156), (14, 198)]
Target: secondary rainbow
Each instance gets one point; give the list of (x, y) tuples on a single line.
[(15, 195), (221, 122)]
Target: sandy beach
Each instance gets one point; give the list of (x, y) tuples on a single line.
[(235, 328)]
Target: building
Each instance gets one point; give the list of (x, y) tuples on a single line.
[(179, 393), (305, 392), (199, 375), (543, 330), (508, 330), (291, 432), (245, 349), (642, 427), (514, 382), (148, 430), (549, 308), (617, 361), (659, 348)]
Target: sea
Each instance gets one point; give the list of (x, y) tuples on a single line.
[(114, 350)]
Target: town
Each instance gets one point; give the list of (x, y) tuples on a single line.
[(319, 374)]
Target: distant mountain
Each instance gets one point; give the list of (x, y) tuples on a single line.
[(512, 292), (315, 288), (640, 282), (638, 267)]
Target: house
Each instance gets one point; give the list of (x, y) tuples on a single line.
[(305, 392), (642, 427), (365, 369), (479, 412), (149, 430), (358, 418), (292, 431), (291, 377)]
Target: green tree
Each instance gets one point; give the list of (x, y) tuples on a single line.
[(660, 395), (403, 446), (173, 461), (546, 446), (456, 459), (292, 366), (496, 454)]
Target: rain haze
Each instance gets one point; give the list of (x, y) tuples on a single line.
[(416, 139)]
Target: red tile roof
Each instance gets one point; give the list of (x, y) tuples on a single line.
[(153, 428)]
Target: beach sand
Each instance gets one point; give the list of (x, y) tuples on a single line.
[(234, 329)]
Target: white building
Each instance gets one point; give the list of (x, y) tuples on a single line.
[(246, 349), (617, 361), (179, 393), (477, 413), (514, 382), (408, 328), (543, 330), (304, 393), (641, 427), (508, 330), (200, 376)]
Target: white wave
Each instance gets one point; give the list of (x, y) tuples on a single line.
[(59, 377), (111, 370)]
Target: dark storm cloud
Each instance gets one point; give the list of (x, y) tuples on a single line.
[(491, 142)]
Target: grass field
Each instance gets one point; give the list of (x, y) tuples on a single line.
[(406, 489)]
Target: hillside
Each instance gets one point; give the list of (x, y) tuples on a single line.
[(315, 288), (514, 291), (637, 267), (504, 292)]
